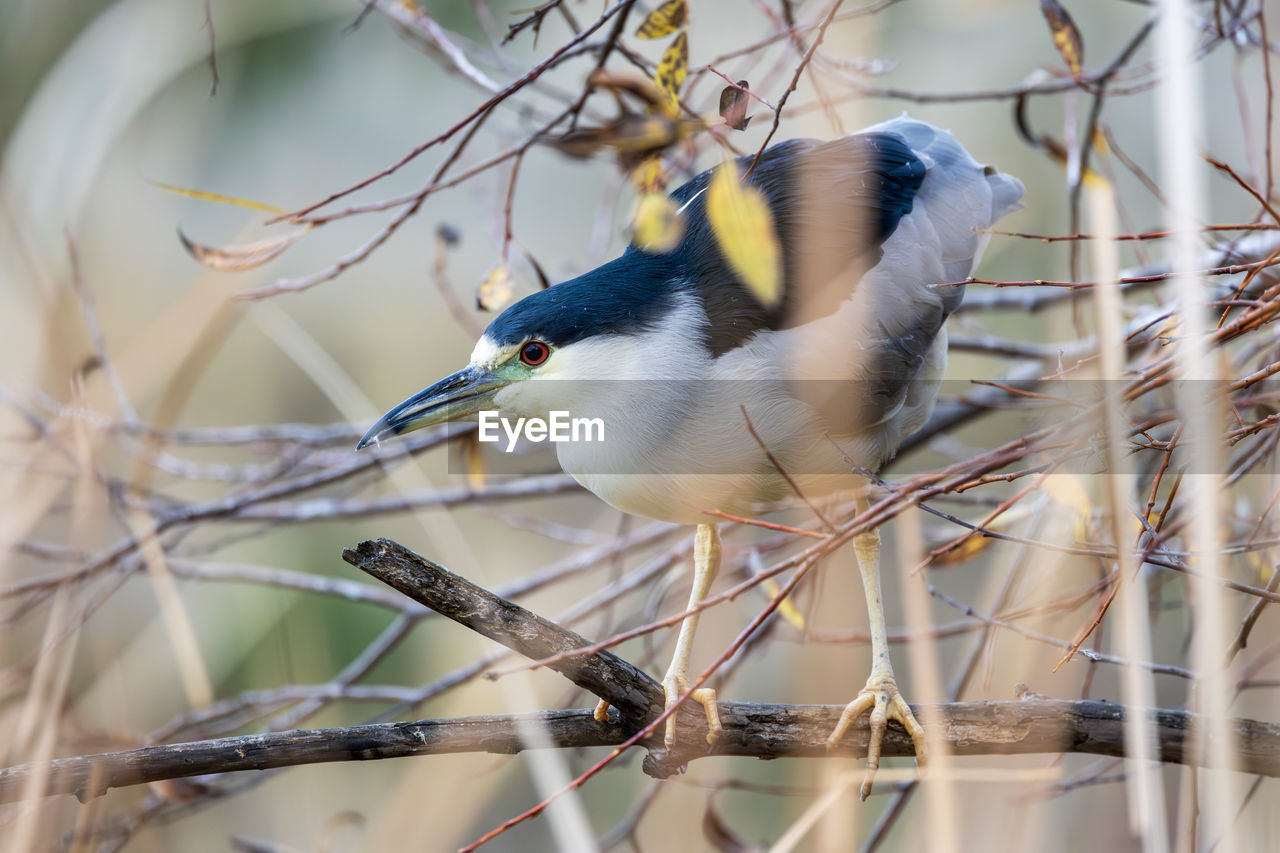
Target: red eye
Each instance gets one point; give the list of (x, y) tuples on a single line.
[(534, 353)]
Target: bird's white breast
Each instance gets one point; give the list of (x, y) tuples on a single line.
[(676, 446)]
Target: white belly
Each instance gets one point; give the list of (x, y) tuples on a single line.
[(676, 462)]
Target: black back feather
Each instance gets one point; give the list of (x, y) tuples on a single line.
[(833, 205)]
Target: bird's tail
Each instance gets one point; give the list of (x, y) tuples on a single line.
[(960, 196)]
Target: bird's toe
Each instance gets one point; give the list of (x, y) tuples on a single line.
[(881, 698), (675, 688)]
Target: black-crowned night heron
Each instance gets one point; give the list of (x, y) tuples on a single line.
[(674, 354)]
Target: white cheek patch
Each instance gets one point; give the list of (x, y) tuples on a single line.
[(488, 354)]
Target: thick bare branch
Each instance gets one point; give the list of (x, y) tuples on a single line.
[(626, 687), (1014, 727), (1027, 726)]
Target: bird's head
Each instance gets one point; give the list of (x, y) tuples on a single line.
[(556, 348)]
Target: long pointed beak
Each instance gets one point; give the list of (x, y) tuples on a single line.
[(452, 398)]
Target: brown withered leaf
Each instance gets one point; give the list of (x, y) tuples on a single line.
[(495, 291), (672, 69), (664, 20), (733, 106), (635, 137), (1066, 37), (581, 143), (657, 225), (241, 256), (629, 82), (743, 226), (635, 133)]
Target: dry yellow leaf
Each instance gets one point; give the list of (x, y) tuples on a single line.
[(965, 551), (657, 225), (1058, 154), (664, 20), (1262, 568), (786, 609), (495, 291), (1067, 490), (474, 459), (1092, 178), (743, 226), (672, 69), (649, 176), (242, 256), (1066, 38), (976, 542), (1100, 141), (218, 197)]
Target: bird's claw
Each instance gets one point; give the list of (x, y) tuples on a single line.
[(601, 712), (882, 698), (674, 687)]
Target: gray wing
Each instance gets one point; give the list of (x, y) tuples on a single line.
[(903, 310)]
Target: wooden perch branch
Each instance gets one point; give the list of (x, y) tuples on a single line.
[(626, 687), (88, 776), (1024, 726)]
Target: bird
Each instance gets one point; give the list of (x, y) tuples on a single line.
[(716, 400)]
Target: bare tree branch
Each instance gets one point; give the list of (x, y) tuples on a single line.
[(1014, 727), (1017, 727)]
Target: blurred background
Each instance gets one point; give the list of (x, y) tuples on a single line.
[(136, 386)]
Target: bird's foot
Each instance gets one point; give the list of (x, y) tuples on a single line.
[(675, 686), (705, 696), (882, 698)]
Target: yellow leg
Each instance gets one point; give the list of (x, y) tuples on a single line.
[(706, 565), (880, 696)]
